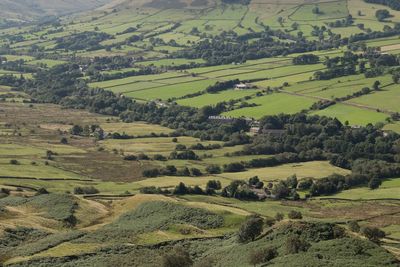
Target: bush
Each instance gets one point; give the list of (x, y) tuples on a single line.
[(130, 157), (250, 229), (279, 216), (151, 173), (41, 191), (234, 167), (159, 157), (294, 244), (354, 226), (14, 162), (213, 169), (373, 233), (195, 172), (89, 190), (295, 215), (177, 258), (262, 255), (374, 183)]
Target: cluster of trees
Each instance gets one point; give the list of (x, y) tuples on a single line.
[(88, 41), (11, 80), (393, 4), (171, 170), (228, 47), (181, 189), (342, 23), (88, 130), (305, 59), (338, 66), (99, 76), (374, 34), (17, 65), (221, 86)]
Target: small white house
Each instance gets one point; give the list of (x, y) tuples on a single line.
[(243, 86)]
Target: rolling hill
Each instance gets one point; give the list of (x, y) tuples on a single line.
[(29, 9)]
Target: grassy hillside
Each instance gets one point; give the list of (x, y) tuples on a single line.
[(30, 9)]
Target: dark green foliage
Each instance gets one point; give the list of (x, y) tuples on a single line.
[(293, 214), (382, 14), (234, 167), (305, 59), (213, 184), (14, 162), (82, 41), (250, 229), (295, 244), (159, 215), (13, 237), (130, 157), (372, 233), (279, 216), (262, 255), (213, 169), (178, 257), (354, 226), (374, 183), (88, 190), (393, 4)]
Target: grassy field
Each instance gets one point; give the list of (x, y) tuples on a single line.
[(272, 104), (317, 169), (353, 115)]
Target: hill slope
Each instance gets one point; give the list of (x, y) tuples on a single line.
[(28, 9)]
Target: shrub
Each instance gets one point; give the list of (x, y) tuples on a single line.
[(262, 255), (178, 257), (373, 233), (294, 244), (89, 190), (295, 215), (213, 169), (14, 162), (151, 173), (354, 226), (279, 216), (130, 157), (250, 229)]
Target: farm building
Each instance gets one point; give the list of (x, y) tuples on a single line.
[(243, 86)]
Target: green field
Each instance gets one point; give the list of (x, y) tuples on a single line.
[(352, 114), (272, 104)]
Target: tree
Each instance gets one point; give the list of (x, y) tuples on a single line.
[(295, 26), (374, 183), (213, 184), (250, 229), (382, 14), (376, 85), (76, 130), (213, 169), (316, 10), (373, 233), (262, 255), (294, 244), (291, 181), (178, 257), (180, 189)]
